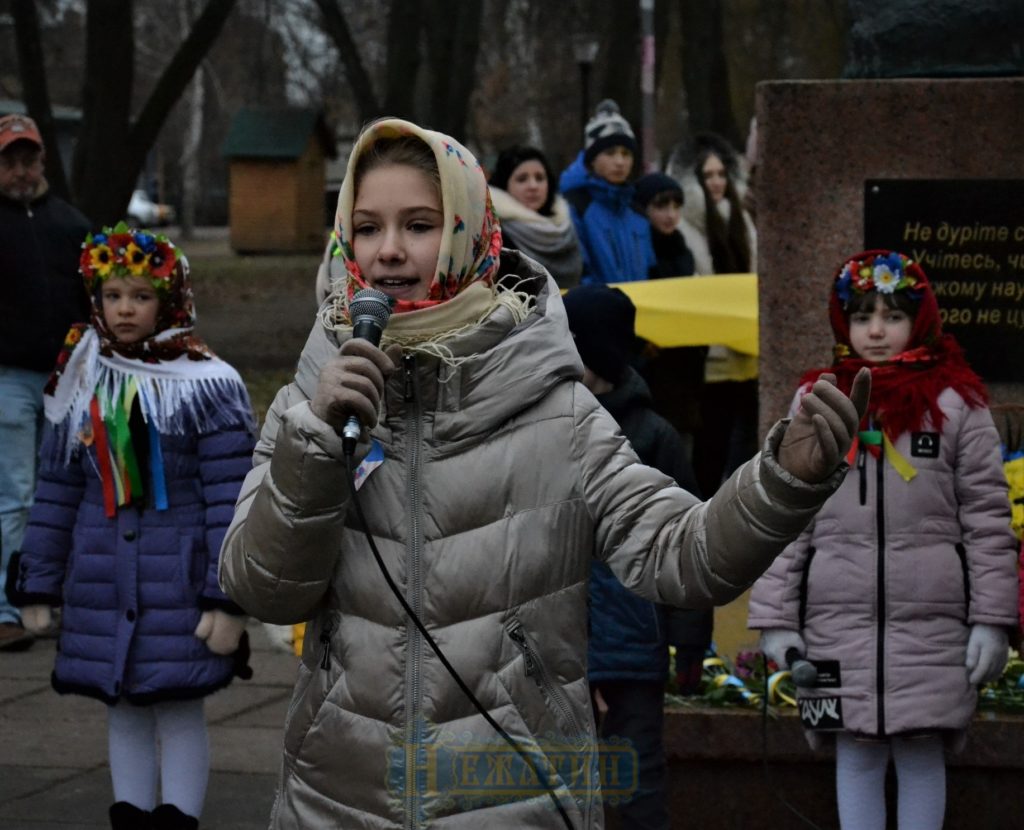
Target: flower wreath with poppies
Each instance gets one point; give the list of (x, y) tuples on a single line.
[(125, 252), (885, 273)]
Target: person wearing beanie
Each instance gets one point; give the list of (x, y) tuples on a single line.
[(615, 240), (40, 239), (903, 588), (660, 199), (674, 376), (628, 650)]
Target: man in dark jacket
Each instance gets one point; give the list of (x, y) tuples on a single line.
[(628, 653), (40, 297)]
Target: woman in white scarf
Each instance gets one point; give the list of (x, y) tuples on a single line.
[(534, 217)]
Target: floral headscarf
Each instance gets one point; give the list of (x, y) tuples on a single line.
[(171, 377), (471, 243), (126, 252), (904, 389)]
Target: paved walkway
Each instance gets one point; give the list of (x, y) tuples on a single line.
[(53, 748)]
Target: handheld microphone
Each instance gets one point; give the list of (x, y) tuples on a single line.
[(369, 312), (803, 671)]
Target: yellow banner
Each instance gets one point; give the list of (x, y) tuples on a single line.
[(697, 311)]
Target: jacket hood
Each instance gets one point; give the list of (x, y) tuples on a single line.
[(503, 367), (577, 176), (631, 393)]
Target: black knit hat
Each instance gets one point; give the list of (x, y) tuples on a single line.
[(602, 321), (650, 185), (606, 129)]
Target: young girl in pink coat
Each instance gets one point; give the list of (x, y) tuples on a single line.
[(902, 591)]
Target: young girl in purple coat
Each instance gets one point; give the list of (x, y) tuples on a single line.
[(149, 438), (902, 589)]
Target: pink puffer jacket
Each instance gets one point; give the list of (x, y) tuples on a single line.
[(886, 581)]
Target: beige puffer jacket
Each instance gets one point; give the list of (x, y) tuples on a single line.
[(502, 479)]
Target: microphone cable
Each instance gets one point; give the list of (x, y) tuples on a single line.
[(541, 776), (764, 754)]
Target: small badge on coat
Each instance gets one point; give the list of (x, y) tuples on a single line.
[(924, 444), (821, 712), (828, 674), (374, 458)]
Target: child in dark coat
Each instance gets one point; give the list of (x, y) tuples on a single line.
[(149, 437), (628, 651)]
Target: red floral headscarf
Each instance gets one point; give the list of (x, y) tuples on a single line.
[(906, 388)]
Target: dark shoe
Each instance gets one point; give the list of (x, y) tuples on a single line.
[(14, 638), (125, 816), (169, 817)]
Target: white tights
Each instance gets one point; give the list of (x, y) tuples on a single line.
[(920, 782), (183, 763)]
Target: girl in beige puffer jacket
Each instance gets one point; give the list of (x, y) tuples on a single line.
[(901, 591), (490, 479)]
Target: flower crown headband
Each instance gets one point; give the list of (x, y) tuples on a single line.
[(122, 251), (885, 273)]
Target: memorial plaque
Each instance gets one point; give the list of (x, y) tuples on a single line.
[(968, 235)]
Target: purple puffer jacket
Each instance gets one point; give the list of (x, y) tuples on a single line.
[(133, 587), (886, 581)]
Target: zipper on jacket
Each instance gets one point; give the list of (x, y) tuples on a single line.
[(804, 579), (535, 669), (862, 463), (414, 596), (880, 576), (325, 641)]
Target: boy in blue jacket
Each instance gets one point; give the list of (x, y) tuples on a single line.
[(615, 240)]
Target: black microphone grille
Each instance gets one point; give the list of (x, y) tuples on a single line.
[(369, 302)]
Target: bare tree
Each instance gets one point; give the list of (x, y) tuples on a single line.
[(706, 71), (452, 41), (112, 146), (32, 67), (358, 78), (193, 138)]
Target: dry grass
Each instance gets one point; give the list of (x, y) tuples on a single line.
[(263, 385)]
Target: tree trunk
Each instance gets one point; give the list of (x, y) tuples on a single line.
[(405, 24), (32, 67), (452, 60), (620, 63), (101, 179), (705, 72), (193, 140), (111, 150), (358, 79)]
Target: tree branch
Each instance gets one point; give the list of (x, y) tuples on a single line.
[(32, 67), (358, 79), (175, 78)]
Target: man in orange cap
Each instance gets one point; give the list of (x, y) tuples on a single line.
[(41, 295)]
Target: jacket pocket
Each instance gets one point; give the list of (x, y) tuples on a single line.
[(313, 685), (554, 697), (961, 553)]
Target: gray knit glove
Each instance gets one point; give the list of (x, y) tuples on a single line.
[(987, 652)]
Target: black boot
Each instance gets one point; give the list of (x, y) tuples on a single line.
[(169, 817), (125, 816)]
